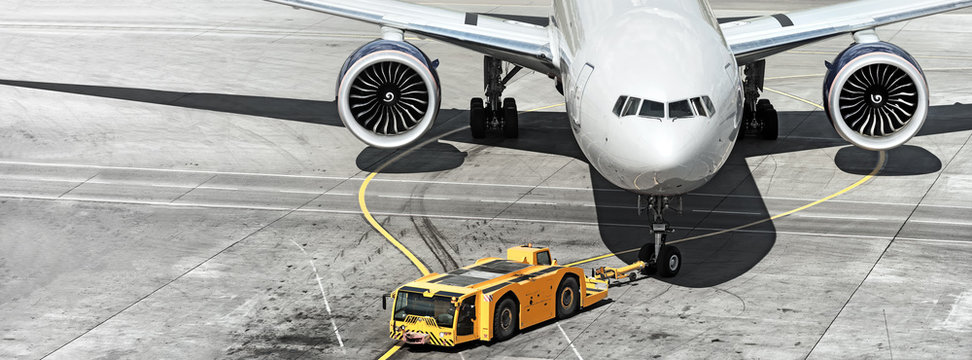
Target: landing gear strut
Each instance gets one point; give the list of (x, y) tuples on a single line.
[(759, 116), (665, 259), (495, 113)]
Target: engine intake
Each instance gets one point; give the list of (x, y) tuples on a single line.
[(876, 95), (388, 93)]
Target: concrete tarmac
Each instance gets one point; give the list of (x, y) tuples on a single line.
[(175, 183)]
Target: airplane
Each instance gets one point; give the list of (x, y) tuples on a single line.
[(657, 91)]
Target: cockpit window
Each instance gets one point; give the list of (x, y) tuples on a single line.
[(652, 109), (709, 106), (699, 108), (680, 109), (619, 105), (631, 107)]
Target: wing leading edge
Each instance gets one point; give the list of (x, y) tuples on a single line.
[(757, 38), (517, 42)]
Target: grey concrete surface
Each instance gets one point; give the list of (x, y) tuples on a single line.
[(175, 183)]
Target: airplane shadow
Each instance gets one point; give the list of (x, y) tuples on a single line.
[(709, 260)]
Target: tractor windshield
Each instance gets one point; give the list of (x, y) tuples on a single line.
[(439, 308)]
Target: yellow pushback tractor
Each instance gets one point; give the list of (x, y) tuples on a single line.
[(491, 299)]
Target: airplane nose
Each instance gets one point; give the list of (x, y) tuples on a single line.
[(663, 156)]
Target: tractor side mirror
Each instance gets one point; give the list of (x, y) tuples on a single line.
[(384, 301)]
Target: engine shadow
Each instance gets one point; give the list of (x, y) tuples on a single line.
[(901, 161), (432, 157)]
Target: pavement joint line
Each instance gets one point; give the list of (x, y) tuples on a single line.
[(569, 342), (320, 285), (193, 189), (529, 191), (77, 186)]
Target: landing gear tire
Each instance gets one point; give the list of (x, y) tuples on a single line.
[(477, 118), (748, 115), (506, 320), (568, 298), (766, 115), (669, 261), (645, 254), (511, 121)]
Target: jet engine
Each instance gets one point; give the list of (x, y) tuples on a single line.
[(875, 95), (388, 93)]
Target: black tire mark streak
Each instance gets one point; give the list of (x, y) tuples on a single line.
[(433, 239)]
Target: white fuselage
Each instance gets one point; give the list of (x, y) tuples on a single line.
[(660, 53)]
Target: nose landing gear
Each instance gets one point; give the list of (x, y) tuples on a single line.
[(664, 259), (495, 113)]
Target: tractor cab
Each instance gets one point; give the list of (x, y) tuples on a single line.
[(528, 254)]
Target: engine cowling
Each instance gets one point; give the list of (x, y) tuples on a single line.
[(876, 95), (388, 93)]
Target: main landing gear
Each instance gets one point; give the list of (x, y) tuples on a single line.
[(759, 116), (659, 257), (496, 113)]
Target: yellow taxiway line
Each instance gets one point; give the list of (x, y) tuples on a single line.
[(371, 219), (794, 97), (391, 351)]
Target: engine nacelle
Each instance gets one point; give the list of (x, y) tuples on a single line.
[(388, 93), (876, 95)]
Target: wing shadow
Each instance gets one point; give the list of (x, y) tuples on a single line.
[(308, 111)]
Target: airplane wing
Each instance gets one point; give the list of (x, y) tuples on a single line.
[(757, 38), (517, 42)]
